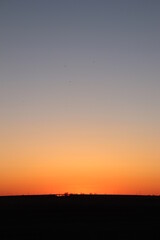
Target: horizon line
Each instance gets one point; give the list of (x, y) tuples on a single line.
[(66, 194)]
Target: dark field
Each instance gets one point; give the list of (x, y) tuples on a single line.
[(80, 216)]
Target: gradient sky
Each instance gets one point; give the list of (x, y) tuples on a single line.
[(79, 96)]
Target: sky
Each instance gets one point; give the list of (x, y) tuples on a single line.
[(79, 96)]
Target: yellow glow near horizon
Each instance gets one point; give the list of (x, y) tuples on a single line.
[(88, 161)]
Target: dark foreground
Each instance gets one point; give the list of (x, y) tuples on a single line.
[(80, 216)]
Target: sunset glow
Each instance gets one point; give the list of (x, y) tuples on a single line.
[(79, 97)]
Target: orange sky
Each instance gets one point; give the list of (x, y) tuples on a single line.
[(79, 97), (90, 159)]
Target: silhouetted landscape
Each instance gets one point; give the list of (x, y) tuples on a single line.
[(80, 216)]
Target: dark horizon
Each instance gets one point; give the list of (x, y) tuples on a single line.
[(85, 216), (66, 194)]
